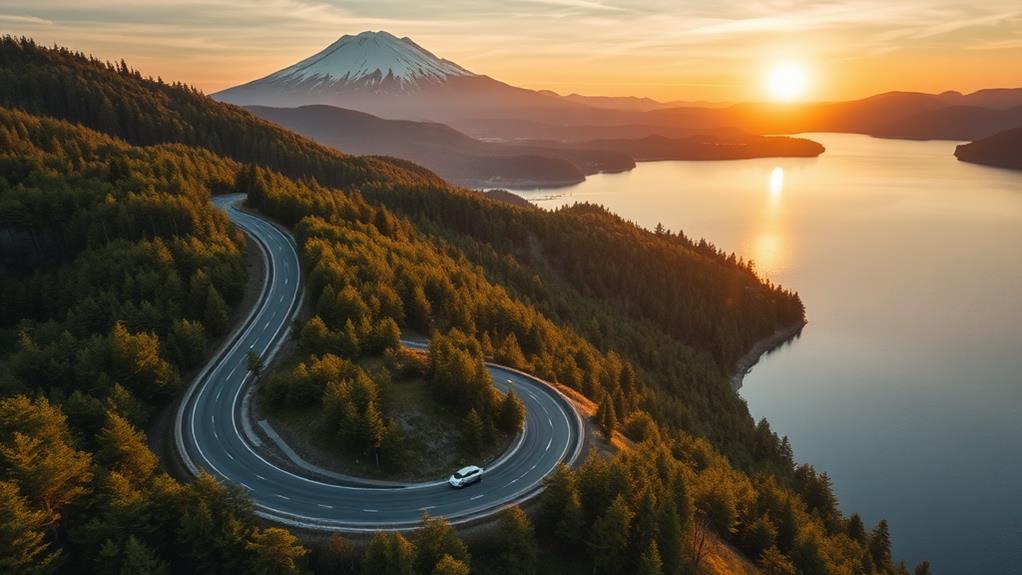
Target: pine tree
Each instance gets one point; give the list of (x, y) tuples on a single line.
[(448, 565), (649, 562), (773, 562), (509, 353), (609, 538), (433, 541), (215, 315), (275, 551), (516, 542), (510, 414), (374, 429), (472, 433), (855, 528), (51, 475), (606, 417), (758, 536), (123, 449), (137, 558), (23, 546), (669, 539), (348, 342), (880, 545)]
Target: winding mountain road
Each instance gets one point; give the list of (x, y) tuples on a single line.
[(213, 433)]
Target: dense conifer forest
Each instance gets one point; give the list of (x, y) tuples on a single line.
[(116, 274)]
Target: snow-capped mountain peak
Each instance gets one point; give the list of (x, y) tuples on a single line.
[(371, 60)]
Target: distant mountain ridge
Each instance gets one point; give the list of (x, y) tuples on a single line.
[(451, 154)]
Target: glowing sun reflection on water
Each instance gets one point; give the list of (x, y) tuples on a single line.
[(769, 246)]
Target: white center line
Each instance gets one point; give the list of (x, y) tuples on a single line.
[(216, 435), (229, 455), (260, 477), (232, 372), (476, 497), (325, 506), (282, 496), (371, 510), (427, 508)]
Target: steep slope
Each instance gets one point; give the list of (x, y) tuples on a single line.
[(119, 101), (453, 155), (1003, 149)]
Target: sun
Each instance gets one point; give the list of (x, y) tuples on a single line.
[(787, 81)]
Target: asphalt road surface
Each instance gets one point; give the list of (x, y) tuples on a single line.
[(211, 427)]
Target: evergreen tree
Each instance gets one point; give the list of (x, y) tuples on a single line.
[(137, 558), (448, 565), (374, 429), (23, 545), (472, 433), (669, 539), (123, 449), (608, 540), (275, 552), (215, 315), (773, 562), (649, 562), (606, 417), (516, 542), (348, 341), (855, 528), (758, 535), (433, 541), (880, 545), (510, 414)]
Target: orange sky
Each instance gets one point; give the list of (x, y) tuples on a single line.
[(662, 49)]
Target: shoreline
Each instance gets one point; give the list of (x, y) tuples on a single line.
[(760, 349)]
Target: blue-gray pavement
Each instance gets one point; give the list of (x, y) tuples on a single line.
[(210, 435)]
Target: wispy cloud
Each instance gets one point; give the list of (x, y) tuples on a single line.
[(19, 19), (629, 43)]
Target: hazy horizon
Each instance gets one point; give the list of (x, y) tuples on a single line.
[(648, 49)]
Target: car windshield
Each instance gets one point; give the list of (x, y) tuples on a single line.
[(461, 473)]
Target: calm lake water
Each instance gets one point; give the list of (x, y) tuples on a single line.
[(906, 385)]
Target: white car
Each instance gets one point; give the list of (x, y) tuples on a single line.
[(466, 476)]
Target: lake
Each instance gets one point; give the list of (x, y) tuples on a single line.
[(906, 385)]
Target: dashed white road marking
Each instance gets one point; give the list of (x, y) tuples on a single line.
[(476, 497), (282, 496), (260, 477), (371, 510), (427, 508), (548, 443), (324, 506), (216, 435), (245, 485), (229, 455), (218, 392), (229, 375)]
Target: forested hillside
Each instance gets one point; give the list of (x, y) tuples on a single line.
[(117, 271)]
